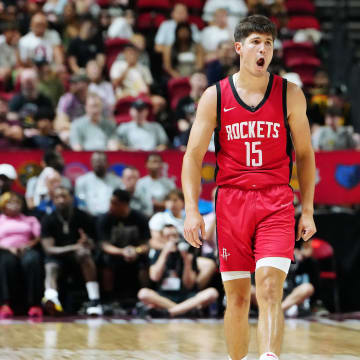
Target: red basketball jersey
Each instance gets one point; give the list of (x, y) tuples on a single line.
[(253, 144)]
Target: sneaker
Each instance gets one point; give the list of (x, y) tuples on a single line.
[(6, 312), (94, 308), (35, 312), (52, 306)]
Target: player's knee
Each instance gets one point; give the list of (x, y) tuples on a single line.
[(308, 289), (144, 294), (237, 300), (269, 290)]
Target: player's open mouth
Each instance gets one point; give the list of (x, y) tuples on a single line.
[(260, 62)]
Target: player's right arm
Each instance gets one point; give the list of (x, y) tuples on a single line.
[(200, 136)]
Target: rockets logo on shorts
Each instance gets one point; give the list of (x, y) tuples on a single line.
[(225, 254)]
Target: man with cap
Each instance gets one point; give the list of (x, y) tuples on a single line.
[(139, 133), (7, 176)]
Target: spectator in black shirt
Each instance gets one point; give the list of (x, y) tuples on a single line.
[(174, 271), (87, 46), (28, 101), (124, 234), (67, 238)]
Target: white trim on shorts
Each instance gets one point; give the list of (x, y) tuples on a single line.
[(280, 263), (233, 275)]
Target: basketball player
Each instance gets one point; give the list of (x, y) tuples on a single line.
[(256, 116)]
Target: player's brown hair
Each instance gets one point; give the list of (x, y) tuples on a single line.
[(254, 24)]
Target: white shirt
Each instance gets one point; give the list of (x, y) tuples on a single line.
[(136, 81), (31, 46), (96, 191), (120, 28), (236, 9), (7, 54), (159, 220), (166, 33), (211, 36)]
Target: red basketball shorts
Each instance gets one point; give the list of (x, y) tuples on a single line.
[(254, 224)]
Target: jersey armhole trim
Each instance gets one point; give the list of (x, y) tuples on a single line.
[(218, 106), (284, 101)]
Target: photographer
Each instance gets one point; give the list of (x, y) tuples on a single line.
[(173, 270)]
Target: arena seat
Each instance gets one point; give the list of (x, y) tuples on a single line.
[(103, 3), (303, 22), (303, 7), (293, 50), (122, 108), (197, 20), (305, 67), (112, 49), (155, 5), (178, 88), (149, 20), (192, 5), (324, 253)]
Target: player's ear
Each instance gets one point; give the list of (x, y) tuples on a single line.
[(238, 47)]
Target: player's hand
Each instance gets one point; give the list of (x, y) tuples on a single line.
[(193, 223), (306, 227)]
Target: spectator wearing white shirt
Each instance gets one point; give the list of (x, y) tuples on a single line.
[(236, 9), (139, 133), (121, 26), (100, 87), (165, 35), (128, 76), (154, 187), (95, 188), (41, 42), (215, 33)]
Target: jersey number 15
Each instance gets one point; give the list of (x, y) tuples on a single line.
[(252, 153)]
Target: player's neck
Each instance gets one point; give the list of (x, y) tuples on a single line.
[(245, 80)]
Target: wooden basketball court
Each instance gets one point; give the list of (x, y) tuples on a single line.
[(183, 339)]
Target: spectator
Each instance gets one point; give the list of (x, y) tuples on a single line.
[(93, 131), (173, 270), (100, 87), (43, 136), (7, 177), (121, 24), (236, 9), (333, 136), (36, 188), (67, 238), (11, 132), (95, 188), (184, 56), (71, 105), (165, 35), (130, 176), (215, 33), (9, 56), (49, 82), (87, 46), (128, 76), (124, 235), (70, 23), (186, 108), (139, 133), (19, 234), (154, 187), (25, 104), (224, 65), (41, 42)]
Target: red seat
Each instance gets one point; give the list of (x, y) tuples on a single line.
[(178, 88), (112, 49), (163, 5), (303, 22), (122, 109), (197, 20), (303, 7), (293, 50), (305, 67), (103, 3), (322, 250), (149, 20)]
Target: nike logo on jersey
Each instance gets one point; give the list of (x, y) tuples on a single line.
[(226, 110)]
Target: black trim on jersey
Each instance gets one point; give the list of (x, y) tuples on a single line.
[(217, 256), (218, 122), (246, 106), (289, 144)]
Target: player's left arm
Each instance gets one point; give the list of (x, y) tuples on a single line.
[(305, 158)]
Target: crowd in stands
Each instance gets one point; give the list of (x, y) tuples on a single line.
[(111, 75)]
